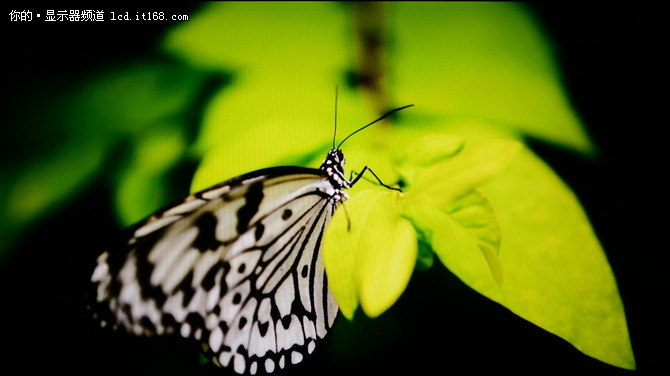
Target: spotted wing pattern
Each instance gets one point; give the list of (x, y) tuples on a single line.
[(237, 267)]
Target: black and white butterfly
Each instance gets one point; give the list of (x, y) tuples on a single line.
[(237, 267)]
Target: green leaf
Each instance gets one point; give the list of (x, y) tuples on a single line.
[(474, 213), (292, 37), (556, 274), (295, 59), (425, 258), (257, 139), (257, 130), (49, 181), (142, 187), (443, 182), (428, 149), (468, 226), (131, 97), (489, 61), (54, 178), (374, 254)]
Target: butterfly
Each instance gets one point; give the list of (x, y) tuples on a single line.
[(236, 266)]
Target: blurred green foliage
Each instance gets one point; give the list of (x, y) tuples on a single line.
[(482, 77), (142, 105)]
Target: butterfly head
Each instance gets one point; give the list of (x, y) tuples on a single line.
[(333, 166)]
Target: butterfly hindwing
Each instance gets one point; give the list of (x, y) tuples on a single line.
[(237, 266)]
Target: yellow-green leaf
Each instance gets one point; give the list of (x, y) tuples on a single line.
[(369, 252), (246, 130), (443, 182), (474, 213), (556, 274), (428, 149), (455, 242), (290, 36), (488, 61)]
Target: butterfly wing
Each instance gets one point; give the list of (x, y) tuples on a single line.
[(237, 266)]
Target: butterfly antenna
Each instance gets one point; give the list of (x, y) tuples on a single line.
[(335, 131), (381, 118)]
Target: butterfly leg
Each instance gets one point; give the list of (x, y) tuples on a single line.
[(359, 175)]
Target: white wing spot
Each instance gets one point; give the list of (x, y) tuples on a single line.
[(285, 297), (185, 329), (296, 357), (224, 358), (239, 363), (269, 365), (216, 339)]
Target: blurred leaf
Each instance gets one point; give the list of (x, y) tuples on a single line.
[(47, 182), (281, 105), (93, 117), (290, 37), (53, 178), (277, 131), (129, 98), (146, 101), (142, 185), (487, 61)]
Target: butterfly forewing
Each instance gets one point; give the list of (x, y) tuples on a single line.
[(237, 266)]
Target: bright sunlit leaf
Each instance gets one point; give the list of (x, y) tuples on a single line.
[(556, 274), (428, 149), (443, 182), (473, 213), (386, 254), (380, 253)]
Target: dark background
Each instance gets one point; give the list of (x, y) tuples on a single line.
[(615, 64)]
